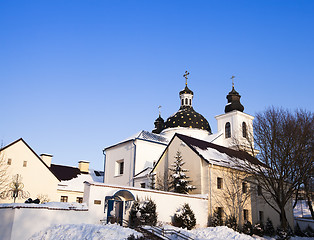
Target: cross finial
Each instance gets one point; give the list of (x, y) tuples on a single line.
[(232, 81), (159, 107), (186, 77)]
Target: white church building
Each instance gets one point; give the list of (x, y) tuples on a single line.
[(208, 157)]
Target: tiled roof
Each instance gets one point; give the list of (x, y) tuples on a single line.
[(64, 173)]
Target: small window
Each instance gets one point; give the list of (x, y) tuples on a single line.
[(219, 183), (143, 185), (245, 214), (186, 101), (121, 167), (244, 130), (182, 102), (79, 199), (9, 161), (25, 164), (259, 190), (190, 102), (64, 199), (227, 130), (244, 187), (261, 216)]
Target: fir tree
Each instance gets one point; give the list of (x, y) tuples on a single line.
[(148, 212), (134, 221), (185, 217), (269, 228), (215, 220), (179, 182)]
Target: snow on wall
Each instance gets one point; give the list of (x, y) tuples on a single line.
[(21, 221), (166, 202)]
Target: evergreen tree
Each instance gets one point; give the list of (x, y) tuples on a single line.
[(148, 212), (179, 182), (152, 180), (134, 221), (185, 217), (248, 228), (269, 228), (231, 222), (215, 220)]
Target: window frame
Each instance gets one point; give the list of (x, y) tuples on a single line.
[(219, 183), (228, 130), (245, 214), (244, 130), (64, 199)]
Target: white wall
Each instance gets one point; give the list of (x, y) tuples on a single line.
[(22, 223), (167, 203)]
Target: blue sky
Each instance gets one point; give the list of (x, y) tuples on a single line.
[(77, 76)]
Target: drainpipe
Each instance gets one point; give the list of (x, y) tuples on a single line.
[(103, 152), (134, 157), (210, 190)]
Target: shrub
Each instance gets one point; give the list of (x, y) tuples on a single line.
[(282, 234), (143, 213), (247, 228), (258, 229), (231, 222), (148, 212), (184, 217), (269, 228), (134, 221), (215, 220)]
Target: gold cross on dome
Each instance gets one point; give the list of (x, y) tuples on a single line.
[(186, 77), (232, 80)]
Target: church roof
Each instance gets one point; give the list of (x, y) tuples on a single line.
[(217, 154), (187, 117), (146, 136)]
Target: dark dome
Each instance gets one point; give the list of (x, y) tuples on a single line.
[(234, 101), (186, 90), (187, 117)]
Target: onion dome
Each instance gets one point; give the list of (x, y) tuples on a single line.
[(159, 125), (233, 101), (187, 116)]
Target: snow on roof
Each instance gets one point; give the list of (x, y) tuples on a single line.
[(144, 135), (77, 183), (217, 154)]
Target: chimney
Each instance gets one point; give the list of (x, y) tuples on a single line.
[(46, 159), (83, 166)]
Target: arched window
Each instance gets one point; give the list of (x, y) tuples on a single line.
[(227, 130), (190, 102), (244, 130), (186, 101), (182, 102)]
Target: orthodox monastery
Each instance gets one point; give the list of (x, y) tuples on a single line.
[(210, 159)]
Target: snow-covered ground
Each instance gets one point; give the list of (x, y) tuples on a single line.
[(116, 232), (85, 231)]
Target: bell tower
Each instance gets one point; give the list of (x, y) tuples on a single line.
[(235, 126)]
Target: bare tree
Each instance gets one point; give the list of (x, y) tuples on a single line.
[(284, 140), (15, 189), (235, 193), (4, 179)]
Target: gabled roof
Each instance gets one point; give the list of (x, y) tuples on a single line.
[(213, 153), (64, 173), (39, 158)]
